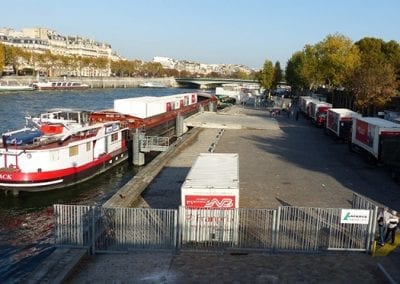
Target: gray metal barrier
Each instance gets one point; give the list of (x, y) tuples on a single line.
[(300, 229)]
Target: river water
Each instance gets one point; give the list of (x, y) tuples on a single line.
[(26, 221)]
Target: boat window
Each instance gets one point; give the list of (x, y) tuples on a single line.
[(73, 151), (88, 146), (73, 116), (114, 137)]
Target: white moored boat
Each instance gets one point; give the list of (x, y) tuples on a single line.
[(60, 148), (152, 85), (64, 85)]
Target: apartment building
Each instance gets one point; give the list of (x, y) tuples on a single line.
[(40, 40), (200, 68)]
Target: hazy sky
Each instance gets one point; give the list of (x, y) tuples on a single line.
[(209, 31)]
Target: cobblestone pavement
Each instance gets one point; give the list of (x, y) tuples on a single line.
[(296, 164), (158, 267)]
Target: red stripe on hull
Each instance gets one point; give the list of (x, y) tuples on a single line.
[(30, 181)]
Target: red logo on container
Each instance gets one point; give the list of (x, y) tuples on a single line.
[(209, 201)]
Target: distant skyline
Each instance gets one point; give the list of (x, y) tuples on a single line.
[(244, 32)]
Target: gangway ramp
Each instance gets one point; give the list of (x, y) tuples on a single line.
[(232, 121)]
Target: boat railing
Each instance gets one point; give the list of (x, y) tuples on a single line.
[(154, 143), (16, 131)]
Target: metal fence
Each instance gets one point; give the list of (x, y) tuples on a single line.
[(73, 225), (319, 229), (284, 229), (213, 229), (135, 228)]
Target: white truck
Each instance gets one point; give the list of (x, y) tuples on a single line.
[(339, 122), (378, 139), (208, 195)]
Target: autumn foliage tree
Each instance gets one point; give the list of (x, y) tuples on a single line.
[(374, 81), (2, 62), (278, 76), (369, 70), (266, 75), (327, 63), (373, 85)]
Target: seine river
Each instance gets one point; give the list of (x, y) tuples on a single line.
[(26, 221)]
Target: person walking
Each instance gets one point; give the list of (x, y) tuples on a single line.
[(392, 224), (383, 218)]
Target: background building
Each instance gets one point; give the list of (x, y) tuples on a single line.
[(42, 40)]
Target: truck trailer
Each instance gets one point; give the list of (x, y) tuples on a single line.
[(339, 122), (209, 197), (378, 139), (304, 103)]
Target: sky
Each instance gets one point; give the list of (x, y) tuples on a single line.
[(244, 32)]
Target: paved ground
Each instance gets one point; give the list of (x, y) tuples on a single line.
[(293, 164), (226, 268)]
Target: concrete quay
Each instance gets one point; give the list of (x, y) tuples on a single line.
[(286, 162), (93, 82)]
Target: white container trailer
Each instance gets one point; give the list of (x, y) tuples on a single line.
[(209, 197), (187, 98), (212, 182), (339, 122), (141, 107), (377, 136), (144, 107), (305, 104)]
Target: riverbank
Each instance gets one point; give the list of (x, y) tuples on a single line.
[(95, 82), (273, 166)]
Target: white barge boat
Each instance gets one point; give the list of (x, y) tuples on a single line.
[(64, 85), (59, 148)]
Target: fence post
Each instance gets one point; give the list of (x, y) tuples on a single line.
[(275, 228), (56, 228), (372, 228), (177, 230), (93, 242)]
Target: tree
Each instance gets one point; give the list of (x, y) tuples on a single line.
[(2, 58), (376, 50), (293, 73), (337, 59), (240, 74), (329, 62), (309, 69), (278, 76), (266, 75), (373, 85)]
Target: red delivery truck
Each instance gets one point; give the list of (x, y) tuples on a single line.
[(318, 111)]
